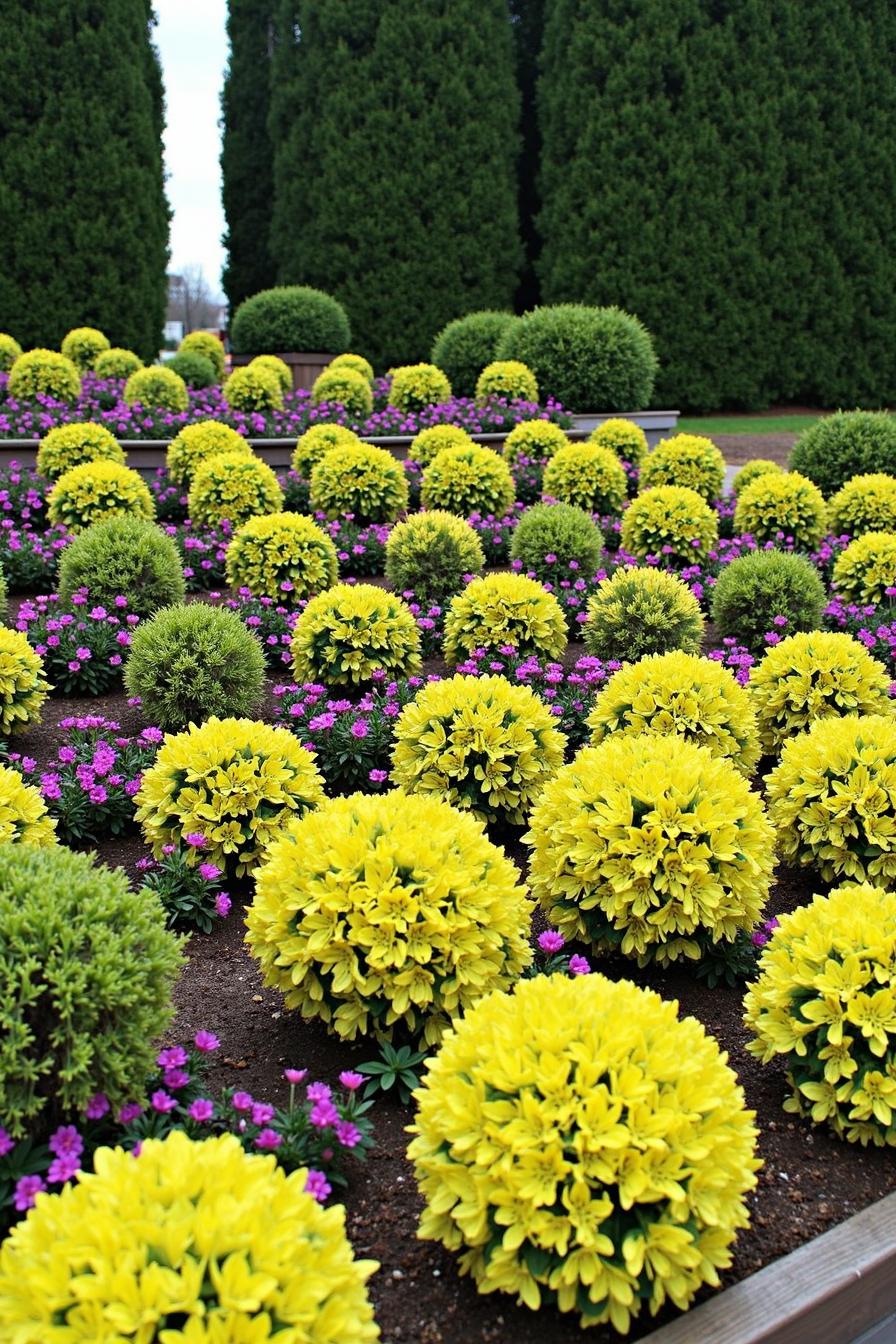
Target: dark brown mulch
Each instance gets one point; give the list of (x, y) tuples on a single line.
[(739, 448)]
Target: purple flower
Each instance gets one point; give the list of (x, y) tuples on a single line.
[(579, 965), (348, 1134), (66, 1142), (172, 1058), (378, 776), (295, 1076), (7, 1142), (551, 940), (322, 1114), (62, 1169), (176, 1079), (318, 1092), (206, 1041), (201, 1110), (195, 839), (162, 1102), (359, 728), (29, 1187), (222, 904), (129, 1111), (97, 1106), (241, 1101), (209, 873), (262, 1113), (316, 1184), (268, 1138), (350, 1080)]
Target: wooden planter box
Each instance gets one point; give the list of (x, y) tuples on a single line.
[(303, 366), (655, 424)]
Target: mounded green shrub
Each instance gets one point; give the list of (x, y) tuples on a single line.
[(507, 378), (9, 351), (641, 611), (44, 373), (236, 486), (196, 443), (157, 386), (416, 386), (537, 440), (347, 387), (466, 345), (117, 363), (83, 346), (67, 446), (316, 442), (591, 477), (756, 587), (430, 553), (123, 554), (468, 480), (788, 504), (290, 318), (366, 481), (253, 389), (195, 369), (549, 537), (210, 346), (849, 443)]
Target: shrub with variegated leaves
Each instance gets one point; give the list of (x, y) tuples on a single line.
[(866, 570), (686, 459), (505, 609), (365, 481), (347, 633), (671, 522), (284, 556)]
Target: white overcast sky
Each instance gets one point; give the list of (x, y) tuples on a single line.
[(192, 42)]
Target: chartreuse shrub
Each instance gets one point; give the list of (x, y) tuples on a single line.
[(757, 466), (505, 609), (466, 345), (867, 568), (209, 346), (83, 346), (686, 459), (346, 386), (283, 556), (507, 1159), (317, 441), (627, 440), (466, 480), (289, 318), (480, 743), (23, 813), (345, 634), (760, 585), (549, 538), (652, 847), (195, 444), (815, 674), (783, 503), (356, 362), (670, 521), (825, 1000), (126, 555), (278, 367), (195, 369), (507, 378), (23, 686), (157, 386), (241, 1242), (682, 693), (537, 440), (66, 446), (234, 781), (253, 389), (44, 373), (864, 504), (94, 490), (416, 386), (592, 478), (9, 351), (847, 444), (232, 485), (431, 553), (365, 481), (641, 611), (832, 798), (117, 363), (429, 442), (378, 913), (85, 988)]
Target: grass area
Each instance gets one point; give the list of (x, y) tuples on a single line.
[(745, 424)]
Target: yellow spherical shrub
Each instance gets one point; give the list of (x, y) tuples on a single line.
[(824, 1000), (757, 466), (430, 553), (689, 460), (284, 556), (275, 365), (814, 675), (356, 362), (505, 609), (652, 847), (9, 351), (23, 813), (347, 387), (672, 522), (681, 693), (508, 378), (640, 611), (210, 346), (156, 386), (469, 479), (480, 743), (389, 911), (428, 442), (626, 439), (316, 442), (44, 373), (867, 568), (67, 446), (782, 503), (23, 686), (588, 476), (365, 481), (117, 363), (253, 389), (195, 1240), (584, 1147), (864, 504), (236, 486), (196, 444), (83, 346), (233, 781), (416, 386), (536, 440), (94, 490), (347, 633)]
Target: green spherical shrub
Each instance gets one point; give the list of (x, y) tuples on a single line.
[(507, 378), (351, 631), (429, 554), (67, 446), (416, 386), (849, 443), (278, 367), (9, 351), (505, 609), (316, 442), (590, 359), (537, 440), (210, 346), (591, 478), (196, 443), (429, 442), (94, 490), (117, 363), (864, 504), (670, 521), (284, 556), (123, 554), (87, 970), (347, 387), (233, 486), (756, 587), (83, 346), (189, 663), (641, 611), (254, 390), (287, 319), (356, 362), (157, 386), (44, 373), (686, 459), (551, 537), (867, 568), (468, 480), (195, 369), (367, 482), (757, 466), (788, 504), (466, 345), (627, 440)]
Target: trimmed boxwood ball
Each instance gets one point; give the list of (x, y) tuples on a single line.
[(671, 522), (195, 369), (345, 386), (157, 386), (9, 351), (210, 346), (591, 477), (44, 373), (428, 442), (117, 363), (94, 490), (23, 686), (505, 609), (430, 553), (278, 367), (352, 630), (627, 440), (507, 378), (287, 319), (253, 389), (189, 662), (284, 556), (760, 585), (197, 443), (589, 359), (66, 446), (686, 459), (787, 505), (316, 442), (127, 555), (864, 504), (757, 466), (356, 362), (87, 969), (83, 346), (537, 440), (563, 533), (235, 486), (866, 570), (843, 445), (466, 345), (416, 386), (641, 611), (466, 480), (365, 481)]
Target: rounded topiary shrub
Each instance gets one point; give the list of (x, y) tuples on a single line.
[(416, 386), (866, 571), (365, 481), (467, 480), (864, 504), (847, 444), (94, 490), (671, 522), (757, 466), (641, 611), (347, 387), (157, 386), (356, 362), (757, 587), (784, 505), (287, 319), (44, 373), (209, 346), (592, 478), (316, 442), (625, 837), (534, 1209), (123, 555), (430, 553), (254, 390), (189, 662), (815, 675), (23, 686), (424, 916), (590, 359), (626, 439), (83, 346), (67, 446), (235, 486), (284, 556), (686, 459), (117, 363), (536, 440), (88, 969), (257, 1226), (507, 378), (197, 443), (501, 610), (195, 369), (9, 351), (429, 442), (278, 367), (466, 345), (24, 818), (832, 798), (552, 538), (837, 1040), (234, 781), (345, 634)]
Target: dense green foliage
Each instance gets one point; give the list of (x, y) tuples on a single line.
[(757, 587), (549, 536), (848, 444), (466, 345), (123, 554), (290, 318)]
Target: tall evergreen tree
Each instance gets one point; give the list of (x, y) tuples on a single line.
[(83, 214), (395, 125), (247, 159), (527, 17)]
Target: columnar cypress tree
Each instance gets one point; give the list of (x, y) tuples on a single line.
[(395, 124), (527, 17), (83, 214)]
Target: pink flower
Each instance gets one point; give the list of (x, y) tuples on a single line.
[(176, 1079), (268, 1138), (162, 1102), (206, 1041), (351, 1080), (295, 1076), (359, 728), (551, 940), (97, 1106), (209, 873), (195, 839), (323, 1113), (222, 904), (241, 1101), (172, 1058), (579, 965), (62, 1169), (316, 1184), (319, 1092), (129, 1112), (262, 1113), (201, 1110), (348, 1134), (378, 776), (29, 1187), (66, 1142), (7, 1142)]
